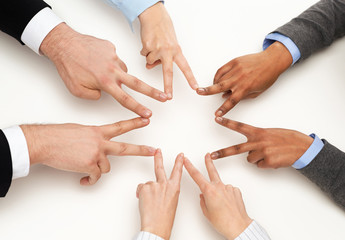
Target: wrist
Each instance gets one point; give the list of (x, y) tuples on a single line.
[(36, 145), (55, 43), (238, 228), (151, 12), (280, 57)]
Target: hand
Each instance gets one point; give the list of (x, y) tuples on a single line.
[(221, 204), (158, 200), (268, 148), (88, 65), (248, 76), (160, 46), (83, 149)]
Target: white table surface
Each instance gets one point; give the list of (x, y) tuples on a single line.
[(50, 204)]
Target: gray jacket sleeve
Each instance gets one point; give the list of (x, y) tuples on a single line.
[(317, 27), (327, 170)]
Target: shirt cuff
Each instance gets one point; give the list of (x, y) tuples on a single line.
[(287, 42), (39, 27), (132, 8), (253, 232), (310, 154), (147, 236), (19, 151)]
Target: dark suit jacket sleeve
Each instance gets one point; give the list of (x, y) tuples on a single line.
[(5, 165), (16, 14), (317, 27), (327, 171)]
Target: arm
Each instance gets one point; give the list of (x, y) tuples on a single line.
[(317, 27), (319, 161), (223, 205), (327, 171), (86, 64), (5, 165), (158, 200), (160, 45)]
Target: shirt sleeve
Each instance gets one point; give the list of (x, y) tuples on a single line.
[(19, 151), (147, 236), (287, 42), (39, 27), (132, 8), (253, 232), (310, 154)]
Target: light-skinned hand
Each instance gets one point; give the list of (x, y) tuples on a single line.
[(221, 204), (248, 76), (267, 147), (158, 200), (160, 46), (89, 65), (82, 149)]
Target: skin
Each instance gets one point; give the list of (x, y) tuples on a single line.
[(82, 149), (158, 200), (248, 76), (160, 46), (267, 147), (89, 65), (221, 204)]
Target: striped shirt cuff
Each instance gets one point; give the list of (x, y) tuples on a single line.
[(253, 232), (147, 236)]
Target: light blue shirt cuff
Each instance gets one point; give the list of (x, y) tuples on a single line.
[(287, 42), (132, 8), (310, 154)]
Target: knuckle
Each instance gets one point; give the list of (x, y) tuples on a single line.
[(123, 149), (124, 98)]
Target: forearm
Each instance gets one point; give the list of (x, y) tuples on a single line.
[(316, 27), (327, 171)]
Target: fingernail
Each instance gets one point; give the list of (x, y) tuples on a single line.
[(169, 96), (201, 90), (219, 113), (214, 155), (181, 155), (219, 119), (163, 96), (145, 120), (147, 113), (195, 86)]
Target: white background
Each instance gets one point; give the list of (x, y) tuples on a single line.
[(50, 204)]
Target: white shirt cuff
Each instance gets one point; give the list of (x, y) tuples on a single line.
[(39, 27), (147, 236), (253, 232), (19, 151)]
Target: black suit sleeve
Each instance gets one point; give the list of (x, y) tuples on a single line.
[(327, 170), (6, 170), (16, 14)]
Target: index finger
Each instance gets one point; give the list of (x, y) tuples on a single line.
[(182, 63), (198, 178), (215, 88), (242, 128), (112, 130), (127, 101), (159, 167), (211, 169), (234, 150), (176, 173), (168, 77)]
